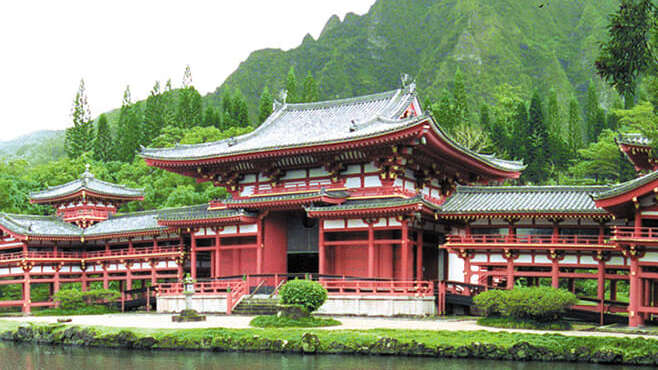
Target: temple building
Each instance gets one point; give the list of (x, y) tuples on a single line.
[(370, 196)]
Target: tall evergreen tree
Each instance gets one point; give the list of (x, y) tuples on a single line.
[(227, 109), (553, 113), (189, 112), (443, 111), (79, 138), (265, 105), (459, 98), (103, 141), (485, 119), (575, 128), (291, 86), (129, 129), (169, 105), (212, 118), (154, 114), (239, 109), (538, 150), (627, 53), (310, 89), (521, 131), (594, 116)]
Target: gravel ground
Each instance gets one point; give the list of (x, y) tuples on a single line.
[(163, 321)]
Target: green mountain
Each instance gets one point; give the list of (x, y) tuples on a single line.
[(492, 42)]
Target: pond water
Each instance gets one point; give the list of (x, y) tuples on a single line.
[(25, 356)]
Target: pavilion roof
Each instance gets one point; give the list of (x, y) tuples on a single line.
[(515, 200), (627, 186), (633, 139), (87, 182), (144, 222), (383, 205), (293, 126)]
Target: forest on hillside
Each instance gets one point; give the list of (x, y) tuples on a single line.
[(563, 136)]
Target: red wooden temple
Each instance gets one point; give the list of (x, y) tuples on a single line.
[(368, 193)]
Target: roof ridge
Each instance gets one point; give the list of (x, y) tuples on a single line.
[(155, 211), (532, 187), (343, 101)]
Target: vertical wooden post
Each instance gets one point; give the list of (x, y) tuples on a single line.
[(634, 294), (154, 272), (555, 272), (613, 290), (218, 253), (419, 254), (322, 253), (148, 299), (259, 247), (129, 277), (193, 255), (371, 249), (600, 292), (405, 250), (510, 272), (27, 299)]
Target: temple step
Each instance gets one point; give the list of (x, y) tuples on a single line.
[(257, 306)]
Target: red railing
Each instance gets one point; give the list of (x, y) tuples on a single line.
[(368, 287), (11, 256), (630, 232), (525, 239), (290, 187), (136, 251), (233, 290)]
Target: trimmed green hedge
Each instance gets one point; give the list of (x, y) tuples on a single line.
[(307, 293), (541, 304), (273, 321), (74, 299), (440, 344)]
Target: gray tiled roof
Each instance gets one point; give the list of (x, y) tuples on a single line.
[(299, 125), (522, 199), (358, 204), (633, 139), (336, 194), (38, 225), (134, 222), (201, 212), (88, 182), (627, 186)]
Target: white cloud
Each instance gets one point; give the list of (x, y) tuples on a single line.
[(47, 46)]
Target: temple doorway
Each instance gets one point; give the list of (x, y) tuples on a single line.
[(302, 243)]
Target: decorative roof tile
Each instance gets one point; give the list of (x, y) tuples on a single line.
[(633, 139), (335, 194), (202, 212), (627, 186), (364, 204), (89, 183), (522, 199), (30, 225)]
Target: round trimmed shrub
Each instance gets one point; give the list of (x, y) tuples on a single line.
[(307, 293), (536, 303)]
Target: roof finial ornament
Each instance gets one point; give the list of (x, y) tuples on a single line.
[(408, 82), (87, 173), (232, 141), (353, 126), (283, 95)]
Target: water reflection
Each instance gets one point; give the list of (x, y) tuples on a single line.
[(22, 356)]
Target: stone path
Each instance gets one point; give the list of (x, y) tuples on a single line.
[(163, 321)]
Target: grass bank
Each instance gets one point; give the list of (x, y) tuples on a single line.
[(441, 344)]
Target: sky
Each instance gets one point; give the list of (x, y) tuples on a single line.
[(48, 46)]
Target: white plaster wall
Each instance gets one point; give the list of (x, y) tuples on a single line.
[(497, 258), (569, 260), (334, 224), (352, 169), (354, 223), (455, 268), (650, 257), (542, 259), (353, 182), (378, 305), (616, 260), (524, 258), (231, 229), (294, 174), (249, 228), (588, 260), (318, 172), (205, 303), (370, 181), (247, 190)]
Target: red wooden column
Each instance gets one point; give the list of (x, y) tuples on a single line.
[(510, 269), (106, 276), (56, 282), (637, 223), (371, 248), (27, 300), (129, 276), (555, 269), (634, 294), (419, 254), (322, 253), (218, 253), (154, 279), (193, 255), (405, 251), (259, 246)]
